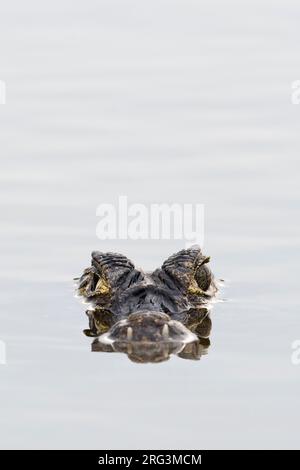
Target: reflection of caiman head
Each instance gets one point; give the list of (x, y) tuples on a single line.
[(149, 316)]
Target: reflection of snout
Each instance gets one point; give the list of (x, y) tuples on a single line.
[(148, 327), (148, 352)]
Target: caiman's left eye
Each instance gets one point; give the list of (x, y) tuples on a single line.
[(203, 277)]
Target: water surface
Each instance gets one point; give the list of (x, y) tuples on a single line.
[(178, 101)]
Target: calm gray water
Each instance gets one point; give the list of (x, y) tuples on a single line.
[(162, 101)]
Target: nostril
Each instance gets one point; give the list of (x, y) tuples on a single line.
[(164, 308)]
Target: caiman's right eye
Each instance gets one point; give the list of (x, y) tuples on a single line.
[(92, 283)]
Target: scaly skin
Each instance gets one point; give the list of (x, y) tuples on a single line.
[(149, 316)]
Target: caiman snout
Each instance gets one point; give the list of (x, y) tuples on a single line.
[(148, 327)]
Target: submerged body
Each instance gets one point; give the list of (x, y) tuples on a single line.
[(148, 315)]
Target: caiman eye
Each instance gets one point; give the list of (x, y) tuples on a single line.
[(203, 277), (92, 283)]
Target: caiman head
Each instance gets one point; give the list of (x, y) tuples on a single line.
[(149, 315)]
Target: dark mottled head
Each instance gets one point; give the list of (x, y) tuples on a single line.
[(147, 309)]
